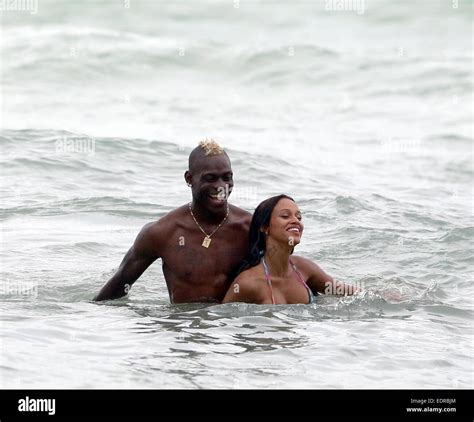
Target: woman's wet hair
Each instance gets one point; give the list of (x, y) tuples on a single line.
[(260, 221)]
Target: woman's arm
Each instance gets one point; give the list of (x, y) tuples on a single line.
[(319, 281)]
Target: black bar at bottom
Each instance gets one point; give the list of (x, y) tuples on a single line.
[(398, 404)]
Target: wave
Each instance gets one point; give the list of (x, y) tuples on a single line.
[(48, 148), (103, 204), (451, 138), (457, 234), (349, 204), (91, 49)]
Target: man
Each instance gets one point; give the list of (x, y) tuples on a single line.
[(200, 244)]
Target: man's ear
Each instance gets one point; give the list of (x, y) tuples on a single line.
[(188, 177)]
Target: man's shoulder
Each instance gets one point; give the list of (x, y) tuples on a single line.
[(166, 223), (173, 216), (240, 215), (240, 212), (154, 235)]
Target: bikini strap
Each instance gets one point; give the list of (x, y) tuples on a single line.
[(302, 281), (300, 277), (269, 278)]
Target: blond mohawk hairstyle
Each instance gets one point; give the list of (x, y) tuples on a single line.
[(211, 147)]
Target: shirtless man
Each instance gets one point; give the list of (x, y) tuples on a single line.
[(200, 244)]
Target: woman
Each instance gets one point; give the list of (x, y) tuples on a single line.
[(269, 275)]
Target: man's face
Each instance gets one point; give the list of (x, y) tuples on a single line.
[(212, 182)]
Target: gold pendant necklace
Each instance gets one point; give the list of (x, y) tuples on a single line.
[(207, 239), (206, 242)]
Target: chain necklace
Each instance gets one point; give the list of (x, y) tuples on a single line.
[(207, 239)]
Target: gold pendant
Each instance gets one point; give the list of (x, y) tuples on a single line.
[(206, 242)]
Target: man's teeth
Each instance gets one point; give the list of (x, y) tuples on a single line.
[(294, 229)]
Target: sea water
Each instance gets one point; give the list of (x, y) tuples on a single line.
[(362, 111)]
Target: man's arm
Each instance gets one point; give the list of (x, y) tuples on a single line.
[(319, 281), (138, 258)]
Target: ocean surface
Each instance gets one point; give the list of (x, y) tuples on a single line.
[(363, 115)]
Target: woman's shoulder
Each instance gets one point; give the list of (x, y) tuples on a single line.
[(301, 262), (305, 266), (315, 277), (248, 277), (247, 287)]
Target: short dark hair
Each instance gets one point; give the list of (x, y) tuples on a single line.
[(206, 148)]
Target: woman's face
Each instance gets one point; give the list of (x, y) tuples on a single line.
[(286, 223)]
